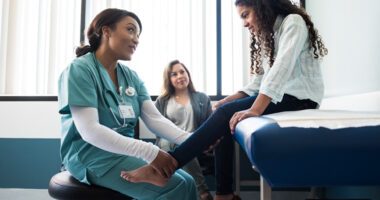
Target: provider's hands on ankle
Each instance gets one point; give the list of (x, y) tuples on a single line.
[(164, 164)]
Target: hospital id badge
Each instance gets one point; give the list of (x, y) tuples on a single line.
[(126, 111)]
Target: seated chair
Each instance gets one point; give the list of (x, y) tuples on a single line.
[(63, 186)]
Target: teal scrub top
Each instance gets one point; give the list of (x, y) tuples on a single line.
[(85, 82)]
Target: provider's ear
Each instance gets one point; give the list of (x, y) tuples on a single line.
[(106, 31)]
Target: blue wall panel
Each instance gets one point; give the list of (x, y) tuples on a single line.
[(28, 163)]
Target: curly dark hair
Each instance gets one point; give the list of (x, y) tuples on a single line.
[(266, 12)]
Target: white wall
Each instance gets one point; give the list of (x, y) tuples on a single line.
[(29, 119), (33, 119), (351, 31)]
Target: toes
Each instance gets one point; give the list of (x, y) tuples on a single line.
[(125, 176)]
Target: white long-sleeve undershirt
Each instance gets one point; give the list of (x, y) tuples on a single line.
[(86, 120), (160, 125)]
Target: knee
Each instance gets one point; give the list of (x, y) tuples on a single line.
[(183, 181), (188, 183), (178, 185), (187, 180), (226, 110), (191, 186)]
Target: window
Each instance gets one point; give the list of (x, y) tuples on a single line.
[(235, 50), (172, 29), (37, 41)]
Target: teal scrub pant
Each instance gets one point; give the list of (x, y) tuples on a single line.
[(180, 186)]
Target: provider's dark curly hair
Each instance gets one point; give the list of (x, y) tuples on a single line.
[(266, 12)]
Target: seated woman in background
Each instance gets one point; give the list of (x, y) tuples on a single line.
[(187, 109)]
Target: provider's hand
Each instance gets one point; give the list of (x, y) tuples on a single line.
[(164, 164), (238, 116)]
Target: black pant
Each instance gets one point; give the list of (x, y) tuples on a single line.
[(217, 126)]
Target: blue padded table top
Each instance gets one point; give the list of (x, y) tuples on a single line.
[(302, 157)]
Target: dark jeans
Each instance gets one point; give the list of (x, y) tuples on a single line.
[(217, 126)]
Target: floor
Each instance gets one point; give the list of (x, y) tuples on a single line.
[(42, 194), (23, 194)]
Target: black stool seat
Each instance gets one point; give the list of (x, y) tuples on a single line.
[(65, 187)]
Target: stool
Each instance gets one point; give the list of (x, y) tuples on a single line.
[(65, 187)]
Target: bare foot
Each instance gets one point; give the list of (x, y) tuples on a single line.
[(145, 174)]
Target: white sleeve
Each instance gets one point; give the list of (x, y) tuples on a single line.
[(253, 87), (292, 39), (161, 126), (86, 120)]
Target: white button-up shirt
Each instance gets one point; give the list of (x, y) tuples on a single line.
[(295, 71)]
